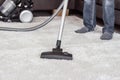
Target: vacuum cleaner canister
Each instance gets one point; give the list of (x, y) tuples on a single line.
[(7, 7)]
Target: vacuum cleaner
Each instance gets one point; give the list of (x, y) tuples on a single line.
[(16, 10), (56, 53)]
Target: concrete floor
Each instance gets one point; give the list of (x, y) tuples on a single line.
[(94, 59)]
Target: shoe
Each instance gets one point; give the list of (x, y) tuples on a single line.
[(106, 36), (83, 30)]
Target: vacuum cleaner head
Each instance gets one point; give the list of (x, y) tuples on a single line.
[(57, 54)]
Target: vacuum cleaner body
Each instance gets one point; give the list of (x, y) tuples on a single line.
[(16, 10)]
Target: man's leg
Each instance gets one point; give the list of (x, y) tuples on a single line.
[(89, 16), (109, 19)]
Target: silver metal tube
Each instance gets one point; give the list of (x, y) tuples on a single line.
[(63, 19)]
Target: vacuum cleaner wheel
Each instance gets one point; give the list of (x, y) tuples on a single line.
[(26, 16)]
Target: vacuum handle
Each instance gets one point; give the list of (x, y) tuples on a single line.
[(63, 20)]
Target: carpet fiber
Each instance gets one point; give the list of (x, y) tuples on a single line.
[(94, 59)]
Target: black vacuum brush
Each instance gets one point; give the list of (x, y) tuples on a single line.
[(57, 54)]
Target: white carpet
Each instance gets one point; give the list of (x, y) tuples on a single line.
[(94, 59)]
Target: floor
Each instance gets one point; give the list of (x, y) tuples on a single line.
[(94, 59)]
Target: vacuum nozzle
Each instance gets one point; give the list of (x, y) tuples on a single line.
[(56, 54)]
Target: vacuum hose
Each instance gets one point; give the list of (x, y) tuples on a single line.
[(35, 27)]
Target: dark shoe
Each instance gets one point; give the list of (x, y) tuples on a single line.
[(82, 30), (106, 36)]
